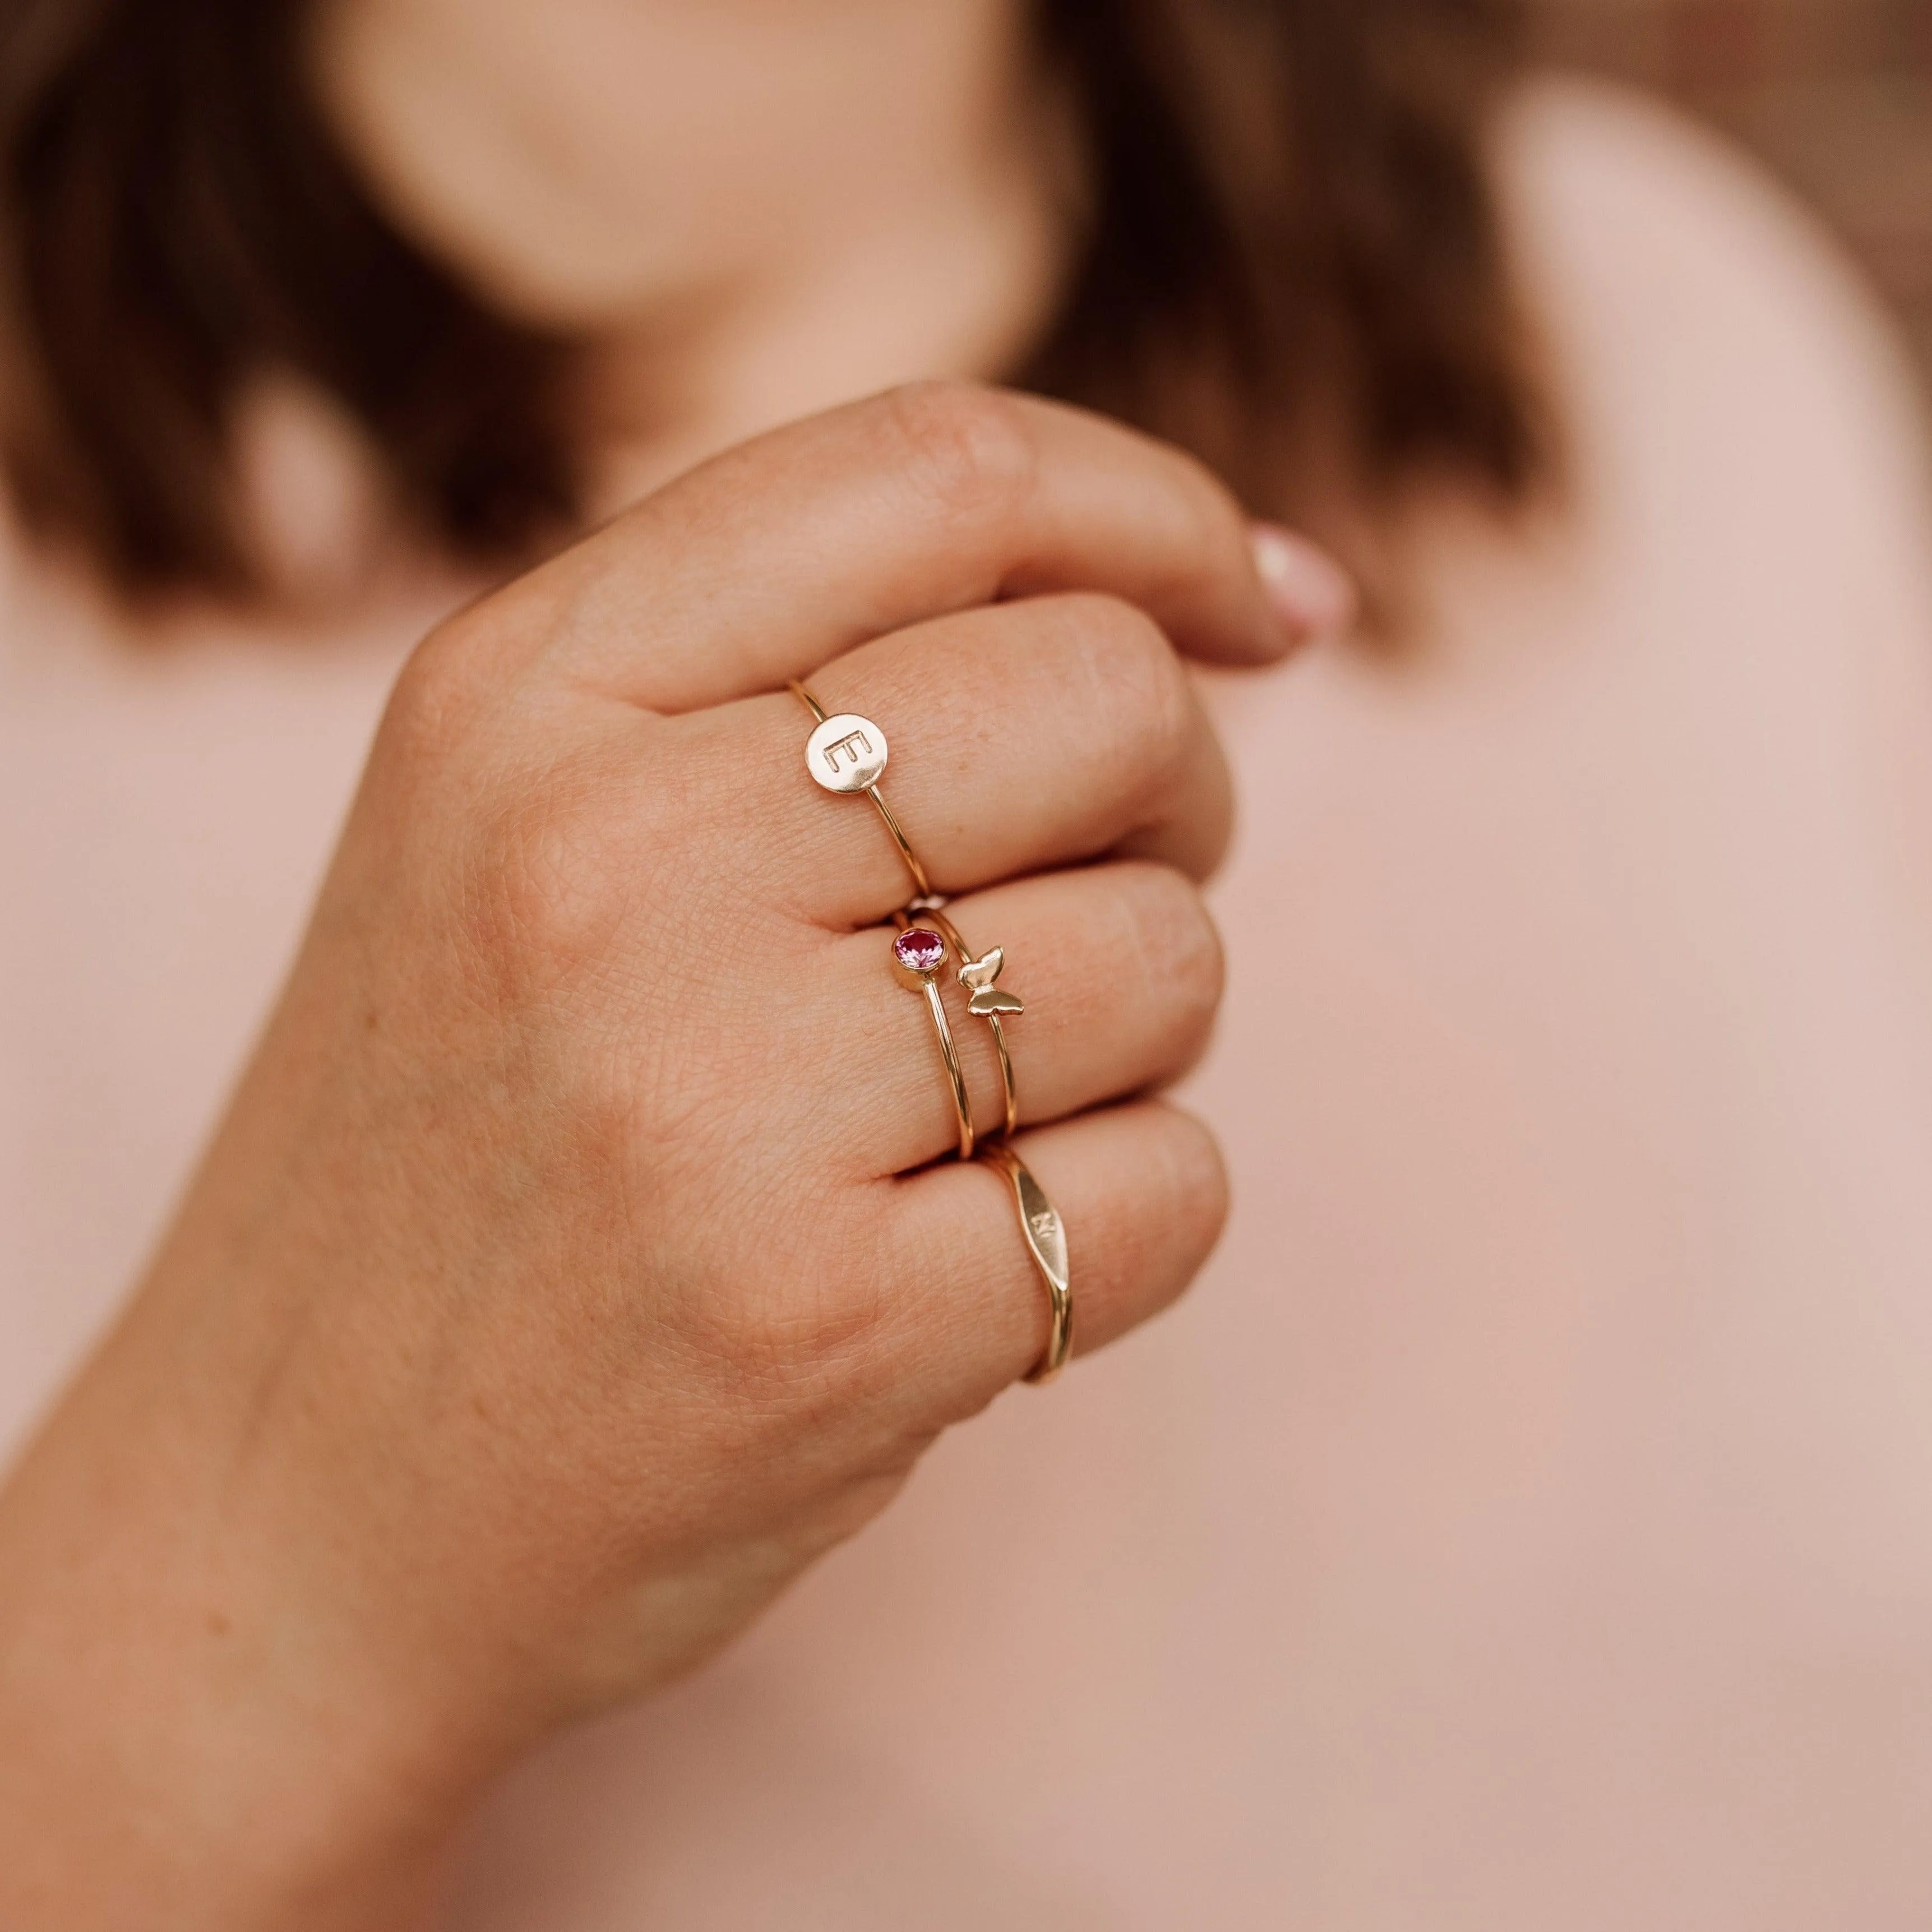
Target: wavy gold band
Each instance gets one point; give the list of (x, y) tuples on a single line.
[(1046, 1238)]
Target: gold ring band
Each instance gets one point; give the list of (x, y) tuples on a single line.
[(1046, 1238), (984, 1000), (847, 753), (918, 955)]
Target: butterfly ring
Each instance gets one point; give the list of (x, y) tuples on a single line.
[(985, 999)]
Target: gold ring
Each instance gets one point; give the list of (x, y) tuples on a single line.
[(984, 1000), (1045, 1237), (847, 753), (919, 953)]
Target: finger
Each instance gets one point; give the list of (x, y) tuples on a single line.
[(772, 559), (1121, 970), (1142, 1194), (1021, 737)]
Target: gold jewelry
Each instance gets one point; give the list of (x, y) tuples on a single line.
[(1045, 1237), (984, 1000), (848, 753), (919, 953)]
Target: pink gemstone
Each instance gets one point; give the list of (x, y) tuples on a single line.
[(920, 949)]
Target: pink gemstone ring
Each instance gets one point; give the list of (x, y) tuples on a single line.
[(984, 1000), (919, 951), (918, 954)]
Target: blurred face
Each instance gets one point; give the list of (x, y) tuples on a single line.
[(590, 161)]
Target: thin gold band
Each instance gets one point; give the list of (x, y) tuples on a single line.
[(962, 1103), (1040, 1226), (919, 955), (921, 884), (849, 753), (929, 914)]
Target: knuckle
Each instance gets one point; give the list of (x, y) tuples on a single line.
[(1177, 947), (1197, 1179), (1181, 1196), (469, 673), (1131, 685), (773, 1336), (970, 451), (537, 896), (1211, 525), (432, 707), (1154, 1220)]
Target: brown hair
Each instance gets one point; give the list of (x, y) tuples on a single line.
[(1289, 225)]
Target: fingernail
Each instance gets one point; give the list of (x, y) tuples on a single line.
[(1312, 596)]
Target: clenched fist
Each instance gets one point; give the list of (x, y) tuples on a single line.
[(578, 1260)]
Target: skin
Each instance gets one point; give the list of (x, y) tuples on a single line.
[(466, 1398), (748, 210), (1706, 1466)]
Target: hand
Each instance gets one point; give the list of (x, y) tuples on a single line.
[(573, 1266)]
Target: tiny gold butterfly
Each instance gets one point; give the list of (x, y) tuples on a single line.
[(977, 977)]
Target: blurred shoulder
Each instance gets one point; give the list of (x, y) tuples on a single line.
[(1692, 307)]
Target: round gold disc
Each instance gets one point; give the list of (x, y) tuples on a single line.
[(846, 753)]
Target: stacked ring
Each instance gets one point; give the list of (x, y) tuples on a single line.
[(918, 955), (847, 754), (984, 1000)]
